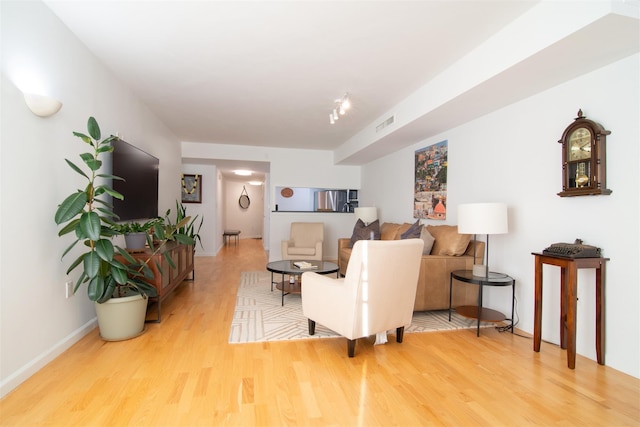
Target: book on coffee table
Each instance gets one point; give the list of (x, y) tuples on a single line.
[(303, 265)]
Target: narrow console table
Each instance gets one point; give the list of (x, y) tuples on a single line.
[(479, 312), (166, 279), (568, 297)]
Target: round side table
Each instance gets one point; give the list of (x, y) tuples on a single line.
[(478, 312)]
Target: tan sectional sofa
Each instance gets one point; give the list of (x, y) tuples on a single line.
[(436, 267)]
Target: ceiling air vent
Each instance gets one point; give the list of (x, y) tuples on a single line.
[(386, 123)]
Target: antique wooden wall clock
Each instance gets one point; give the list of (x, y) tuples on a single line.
[(584, 158)]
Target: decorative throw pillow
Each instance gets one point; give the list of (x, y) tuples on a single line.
[(365, 232), (448, 240), (428, 241), (413, 232), (401, 230)]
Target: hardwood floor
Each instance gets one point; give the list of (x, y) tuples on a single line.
[(183, 372)]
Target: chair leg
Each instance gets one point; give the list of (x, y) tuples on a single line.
[(312, 326), (399, 334), (351, 347)]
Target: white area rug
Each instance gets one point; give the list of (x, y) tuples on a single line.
[(259, 315)]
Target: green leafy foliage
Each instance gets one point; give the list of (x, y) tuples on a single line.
[(107, 269), (137, 227), (186, 226)]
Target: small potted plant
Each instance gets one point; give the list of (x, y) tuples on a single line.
[(189, 228), (114, 279), (136, 234)]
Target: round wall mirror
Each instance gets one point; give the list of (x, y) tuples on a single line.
[(244, 201)]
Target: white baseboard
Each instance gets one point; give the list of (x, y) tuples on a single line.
[(203, 254), (22, 374)]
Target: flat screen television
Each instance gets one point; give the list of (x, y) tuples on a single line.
[(140, 186)]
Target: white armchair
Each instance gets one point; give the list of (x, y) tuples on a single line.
[(377, 294), (305, 241)]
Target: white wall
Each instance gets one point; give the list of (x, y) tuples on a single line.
[(301, 200), (512, 156), (207, 210), (37, 322), (288, 168), (220, 208), (249, 221)]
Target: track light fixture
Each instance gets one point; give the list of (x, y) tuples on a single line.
[(340, 108)]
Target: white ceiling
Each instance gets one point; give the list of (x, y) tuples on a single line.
[(266, 73)]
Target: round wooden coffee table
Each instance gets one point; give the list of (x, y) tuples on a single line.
[(287, 267)]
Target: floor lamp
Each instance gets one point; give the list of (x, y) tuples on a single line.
[(482, 218)]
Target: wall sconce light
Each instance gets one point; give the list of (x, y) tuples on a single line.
[(42, 106)]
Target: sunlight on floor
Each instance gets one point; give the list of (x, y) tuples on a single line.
[(362, 404)]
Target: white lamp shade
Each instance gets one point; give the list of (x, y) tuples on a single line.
[(42, 106), (483, 218), (366, 214)]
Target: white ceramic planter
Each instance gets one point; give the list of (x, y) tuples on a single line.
[(122, 318)]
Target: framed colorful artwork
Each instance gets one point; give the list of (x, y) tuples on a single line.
[(191, 188), (430, 190)]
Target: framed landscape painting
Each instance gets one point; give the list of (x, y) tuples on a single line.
[(430, 190)]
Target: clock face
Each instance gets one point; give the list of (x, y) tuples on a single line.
[(579, 144)]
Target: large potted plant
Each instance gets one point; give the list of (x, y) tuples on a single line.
[(113, 277)]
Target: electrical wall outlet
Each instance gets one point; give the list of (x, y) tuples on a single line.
[(68, 288)]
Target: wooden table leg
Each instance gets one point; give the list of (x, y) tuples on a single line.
[(537, 314), (568, 302), (563, 307), (572, 297), (600, 308)]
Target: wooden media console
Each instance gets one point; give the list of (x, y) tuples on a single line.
[(167, 280)]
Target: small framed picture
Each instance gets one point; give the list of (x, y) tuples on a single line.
[(191, 188)]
